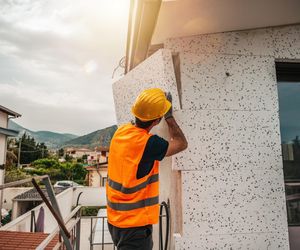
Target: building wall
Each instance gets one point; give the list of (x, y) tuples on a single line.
[(231, 175), (91, 196), (10, 193), (3, 124), (3, 119), (94, 178), (156, 71), (2, 149)]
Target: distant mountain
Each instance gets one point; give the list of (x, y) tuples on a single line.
[(100, 137), (51, 139)]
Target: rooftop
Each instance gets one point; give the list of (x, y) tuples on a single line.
[(11, 240), (9, 112), (33, 195), (106, 149), (8, 132)]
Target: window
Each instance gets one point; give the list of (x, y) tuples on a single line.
[(288, 76)]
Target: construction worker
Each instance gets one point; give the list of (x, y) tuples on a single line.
[(132, 188)]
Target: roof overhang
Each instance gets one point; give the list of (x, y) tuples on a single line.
[(8, 132), (9, 112), (179, 18), (152, 22), (142, 19)]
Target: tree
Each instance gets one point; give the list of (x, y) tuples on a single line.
[(67, 170), (43, 150), (11, 159), (68, 157), (61, 152), (56, 170), (15, 175), (30, 150), (46, 163), (79, 172)]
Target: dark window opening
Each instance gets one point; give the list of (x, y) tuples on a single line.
[(288, 77)]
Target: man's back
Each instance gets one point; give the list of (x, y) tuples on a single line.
[(132, 202)]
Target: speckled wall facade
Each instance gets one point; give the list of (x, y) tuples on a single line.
[(155, 72), (232, 177)]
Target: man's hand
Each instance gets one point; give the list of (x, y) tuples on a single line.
[(169, 114)]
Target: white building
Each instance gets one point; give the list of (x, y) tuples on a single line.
[(221, 61), (99, 155), (5, 114), (78, 152)]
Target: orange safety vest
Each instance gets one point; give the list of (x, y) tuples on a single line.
[(131, 202)]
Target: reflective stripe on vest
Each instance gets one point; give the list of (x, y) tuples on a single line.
[(119, 187), (130, 206)]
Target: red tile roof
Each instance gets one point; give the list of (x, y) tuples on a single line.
[(11, 240)]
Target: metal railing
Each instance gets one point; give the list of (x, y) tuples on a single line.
[(92, 233), (21, 182), (72, 226), (162, 216)]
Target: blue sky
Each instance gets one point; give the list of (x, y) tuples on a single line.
[(57, 59)]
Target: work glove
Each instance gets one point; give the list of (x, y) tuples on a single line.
[(169, 114)]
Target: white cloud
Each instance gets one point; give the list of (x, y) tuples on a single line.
[(90, 67), (60, 55)]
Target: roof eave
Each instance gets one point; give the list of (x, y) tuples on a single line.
[(10, 112), (141, 24), (9, 132)]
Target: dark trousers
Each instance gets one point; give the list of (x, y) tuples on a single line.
[(134, 238)]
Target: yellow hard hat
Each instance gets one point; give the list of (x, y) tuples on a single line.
[(151, 104)]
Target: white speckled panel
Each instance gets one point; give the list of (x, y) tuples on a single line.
[(228, 82), (252, 42), (222, 202), (229, 140), (287, 42), (232, 177), (254, 241), (156, 71)]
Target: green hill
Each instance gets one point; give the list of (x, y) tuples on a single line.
[(51, 139), (100, 137)]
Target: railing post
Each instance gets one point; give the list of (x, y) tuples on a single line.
[(102, 233), (91, 236), (32, 221), (78, 226)]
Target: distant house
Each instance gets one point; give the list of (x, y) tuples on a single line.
[(99, 155), (26, 201), (78, 152), (97, 169), (97, 175), (5, 115)]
